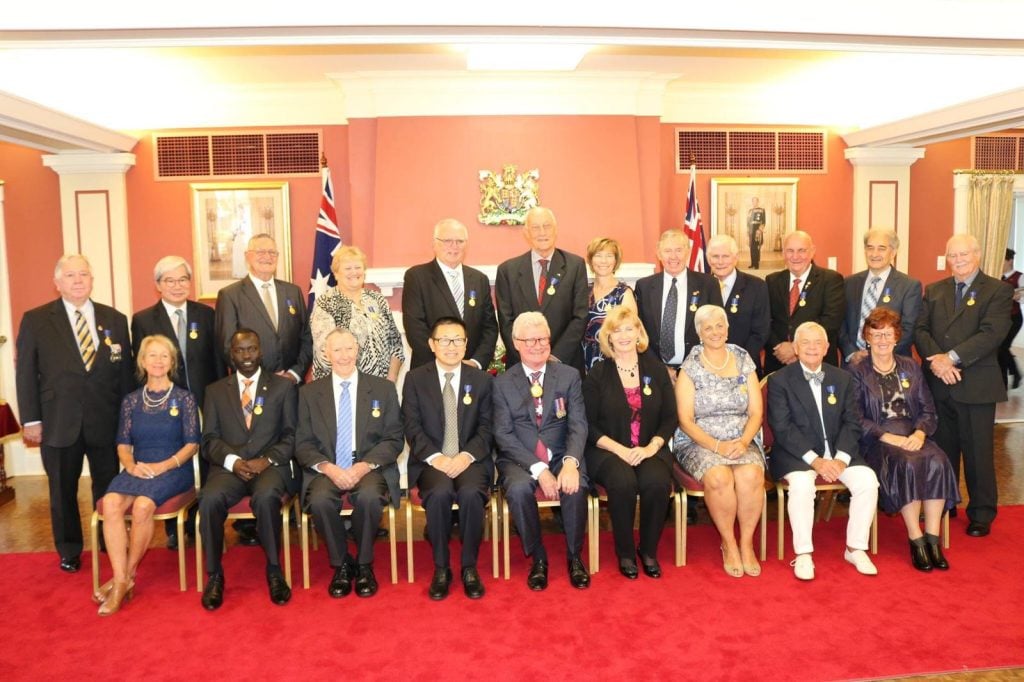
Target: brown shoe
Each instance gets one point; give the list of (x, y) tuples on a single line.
[(120, 593)]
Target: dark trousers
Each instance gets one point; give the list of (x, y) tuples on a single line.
[(651, 480), (324, 504), (755, 250), (470, 490), (1007, 363), (967, 429), (224, 490), (520, 491), (63, 468)]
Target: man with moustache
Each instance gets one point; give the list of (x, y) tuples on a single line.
[(745, 297)]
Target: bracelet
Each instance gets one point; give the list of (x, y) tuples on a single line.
[(175, 458), (717, 444)]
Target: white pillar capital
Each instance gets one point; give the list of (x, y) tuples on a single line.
[(78, 163), (883, 156)]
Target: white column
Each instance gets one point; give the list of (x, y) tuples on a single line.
[(7, 329), (881, 196)]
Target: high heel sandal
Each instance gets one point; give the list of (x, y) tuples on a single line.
[(734, 571), (753, 570), (100, 594), (120, 593)]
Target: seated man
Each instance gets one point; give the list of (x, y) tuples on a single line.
[(813, 411), (348, 438), (248, 437), (540, 427), (446, 406)]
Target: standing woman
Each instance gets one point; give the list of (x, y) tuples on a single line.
[(158, 434), (363, 312), (604, 256), (631, 411), (1007, 363)]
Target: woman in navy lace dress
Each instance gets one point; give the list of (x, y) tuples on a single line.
[(604, 258)]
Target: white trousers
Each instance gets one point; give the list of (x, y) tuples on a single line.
[(863, 486)]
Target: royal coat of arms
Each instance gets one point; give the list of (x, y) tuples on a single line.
[(506, 198)]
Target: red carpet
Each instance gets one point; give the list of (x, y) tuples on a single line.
[(696, 622)]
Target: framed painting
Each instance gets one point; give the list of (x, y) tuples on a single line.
[(225, 216), (758, 213)]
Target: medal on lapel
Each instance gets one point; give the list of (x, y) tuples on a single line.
[(375, 408), (560, 410), (115, 351), (552, 285), (472, 298), (174, 407), (373, 311), (694, 297), (735, 307), (742, 383), (291, 306), (904, 380), (831, 394), (647, 386), (536, 390), (106, 336), (258, 409), (193, 330), (973, 295), (886, 295), (467, 399), (803, 299)]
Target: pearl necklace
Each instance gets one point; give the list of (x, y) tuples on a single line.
[(884, 372), (707, 361), (150, 402)]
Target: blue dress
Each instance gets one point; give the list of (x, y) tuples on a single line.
[(155, 434), (596, 313)]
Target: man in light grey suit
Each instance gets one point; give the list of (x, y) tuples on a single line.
[(540, 426), (348, 438), (881, 285)]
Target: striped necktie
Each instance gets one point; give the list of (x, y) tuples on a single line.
[(247, 402), (455, 283), (85, 345), (450, 446), (268, 303), (182, 341), (867, 305), (343, 446)]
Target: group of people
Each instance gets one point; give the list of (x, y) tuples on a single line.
[(608, 389)]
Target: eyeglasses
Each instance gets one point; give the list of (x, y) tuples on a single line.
[(265, 252), (533, 343), (175, 282), (444, 342), (811, 343), (452, 242), (887, 335)]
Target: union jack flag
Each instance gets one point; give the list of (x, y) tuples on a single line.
[(693, 227)]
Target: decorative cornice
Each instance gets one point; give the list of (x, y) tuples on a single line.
[(883, 156), (76, 163)]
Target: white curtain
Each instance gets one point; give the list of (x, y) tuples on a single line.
[(989, 216)]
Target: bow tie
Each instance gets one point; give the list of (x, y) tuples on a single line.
[(814, 376)]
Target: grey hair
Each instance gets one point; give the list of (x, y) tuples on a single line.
[(168, 263), (257, 237), (886, 233), (58, 269), (531, 318), (445, 222), (809, 326), (726, 240), (706, 313)]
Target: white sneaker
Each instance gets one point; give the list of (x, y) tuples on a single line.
[(803, 567), (860, 559)]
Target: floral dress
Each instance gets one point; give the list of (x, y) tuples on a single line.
[(372, 324)]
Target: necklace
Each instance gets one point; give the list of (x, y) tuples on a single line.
[(153, 403), (883, 372), (707, 361), (631, 371)]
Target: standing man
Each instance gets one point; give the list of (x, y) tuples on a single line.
[(540, 427), (881, 285), (348, 439), (962, 322), (745, 297), (755, 231), (814, 413), (548, 280), (249, 438), (802, 292), (191, 326), (445, 287), (446, 407), (74, 367)]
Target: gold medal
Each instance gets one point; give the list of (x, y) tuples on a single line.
[(174, 411), (647, 390), (733, 309), (109, 342), (905, 383), (375, 412), (832, 399), (886, 298), (193, 335), (467, 399), (970, 301), (536, 390), (551, 291), (472, 303), (802, 303), (258, 410), (693, 307), (291, 310)]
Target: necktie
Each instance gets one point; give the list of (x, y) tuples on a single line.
[(541, 450), (867, 305), (455, 282), (268, 303), (84, 336), (343, 446), (182, 340), (542, 281), (247, 402), (814, 376), (667, 335), (450, 447), (794, 295), (960, 286), (721, 284)]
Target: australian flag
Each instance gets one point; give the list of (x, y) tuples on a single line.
[(328, 239)]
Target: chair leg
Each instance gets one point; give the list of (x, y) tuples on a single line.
[(764, 527), (945, 530), (200, 573), (182, 577), (780, 498), (593, 512), (304, 540), (874, 533), (394, 545), (94, 535), (505, 536), (680, 528), (495, 536), (408, 540), (286, 518)]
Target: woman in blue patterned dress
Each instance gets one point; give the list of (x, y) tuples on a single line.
[(719, 401), (157, 436), (604, 258)]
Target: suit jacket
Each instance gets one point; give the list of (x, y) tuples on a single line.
[(649, 292), (974, 332), (204, 362), (793, 417), (290, 347), (608, 413), (751, 322), (565, 310), (826, 304), (904, 294), (515, 424), (920, 405), (52, 384), (272, 431), (426, 297), (379, 439), (423, 415)]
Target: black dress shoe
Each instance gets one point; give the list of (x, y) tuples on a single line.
[(471, 583), (280, 593), (977, 529), (919, 556), (439, 585), (172, 541), (627, 567), (578, 574), (366, 582), (935, 554), (652, 569), (537, 580), (213, 593), (247, 536), (341, 582), (70, 564), (952, 513)]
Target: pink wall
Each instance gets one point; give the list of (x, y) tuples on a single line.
[(931, 205)]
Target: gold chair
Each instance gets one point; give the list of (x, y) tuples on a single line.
[(595, 518), (346, 510), (414, 503), (543, 503), (820, 485)]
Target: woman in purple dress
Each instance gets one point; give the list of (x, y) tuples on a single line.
[(604, 258)]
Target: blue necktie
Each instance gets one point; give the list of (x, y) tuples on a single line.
[(960, 286), (667, 334), (343, 447)]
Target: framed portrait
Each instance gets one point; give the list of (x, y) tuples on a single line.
[(758, 213), (225, 216)]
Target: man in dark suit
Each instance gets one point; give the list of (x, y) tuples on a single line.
[(348, 440), (447, 410), (540, 427), (74, 367), (881, 285), (445, 287), (802, 292), (814, 413), (190, 327), (962, 322), (745, 298), (667, 300), (549, 280), (249, 438)]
